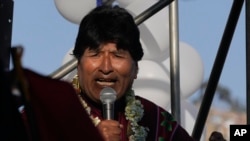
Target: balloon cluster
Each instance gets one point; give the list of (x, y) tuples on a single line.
[(153, 81)]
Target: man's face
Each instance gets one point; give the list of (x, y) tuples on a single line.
[(106, 67)]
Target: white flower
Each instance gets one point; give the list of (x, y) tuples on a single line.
[(134, 112)]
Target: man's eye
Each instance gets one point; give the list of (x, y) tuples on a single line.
[(91, 54), (118, 54)]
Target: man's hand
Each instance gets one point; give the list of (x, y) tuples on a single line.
[(110, 130)]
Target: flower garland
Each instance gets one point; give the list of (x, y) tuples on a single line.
[(95, 120), (133, 112)]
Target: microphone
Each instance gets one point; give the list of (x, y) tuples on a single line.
[(108, 97)]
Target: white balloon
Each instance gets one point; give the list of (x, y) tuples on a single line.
[(124, 3), (152, 83), (154, 31), (74, 10), (191, 69)]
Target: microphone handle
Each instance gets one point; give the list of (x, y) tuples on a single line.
[(108, 111)]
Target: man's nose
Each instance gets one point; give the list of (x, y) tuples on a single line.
[(106, 65)]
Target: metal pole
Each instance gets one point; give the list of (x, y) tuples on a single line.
[(217, 69), (151, 11), (174, 60), (247, 6), (65, 69)]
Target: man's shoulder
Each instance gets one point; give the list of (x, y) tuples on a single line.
[(149, 105), (145, 101)]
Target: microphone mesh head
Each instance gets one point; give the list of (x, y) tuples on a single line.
[(107, 95)]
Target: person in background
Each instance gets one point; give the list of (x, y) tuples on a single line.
[(108, 49), (216, 136)]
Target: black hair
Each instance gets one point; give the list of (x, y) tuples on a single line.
[(106, 24)]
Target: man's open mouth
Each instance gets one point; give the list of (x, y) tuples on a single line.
[(106, 82)]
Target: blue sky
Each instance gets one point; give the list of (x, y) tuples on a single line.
[(46, 37)]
